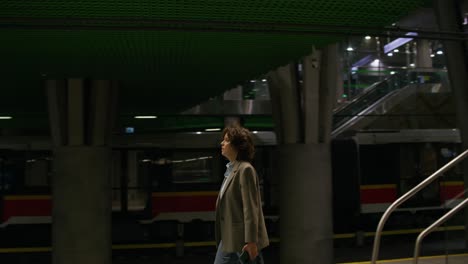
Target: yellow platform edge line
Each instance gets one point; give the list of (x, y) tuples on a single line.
[(378, 186), (183, 194), (26, 250), (213, 243), (26, 197), (452, 183), (406, 259)]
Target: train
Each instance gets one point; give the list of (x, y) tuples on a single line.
[(164, 188)]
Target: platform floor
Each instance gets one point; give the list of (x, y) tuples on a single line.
[(450, 259)]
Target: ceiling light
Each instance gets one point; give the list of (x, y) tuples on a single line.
[(396, 50), (375, 63), (392, 72), (412, 65), (212, 129), (145, 117), (367, 37), (439, 52), (5, 117), (252, 81), (264, 80), (432, 55), (198, 132), (390, 54), (255, 132), (349, 49)]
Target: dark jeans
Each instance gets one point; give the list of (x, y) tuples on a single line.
[(233, 257)]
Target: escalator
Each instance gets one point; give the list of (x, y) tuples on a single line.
[(377, 100)]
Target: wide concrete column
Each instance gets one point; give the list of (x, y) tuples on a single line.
[(306, 227), (303, 121), (81, 114)]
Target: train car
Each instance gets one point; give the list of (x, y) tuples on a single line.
[(165, 191)]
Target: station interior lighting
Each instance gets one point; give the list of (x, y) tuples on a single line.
[(212, 129), (392, 72), (390, 54), (145, 117), (396, 50), (439, 52), (198, 132), (350, 49), (5, 117), (432, 55), (375, 63), (367, 37), (412, 65)]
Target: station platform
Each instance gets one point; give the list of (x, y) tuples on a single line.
[(448, 259)]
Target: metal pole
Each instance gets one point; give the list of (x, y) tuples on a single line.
[(431, 228), (406, 196)]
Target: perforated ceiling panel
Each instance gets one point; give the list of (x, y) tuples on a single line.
[(332, 12), (170, 54)]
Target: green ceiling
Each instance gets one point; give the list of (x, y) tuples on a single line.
[(168, 55)]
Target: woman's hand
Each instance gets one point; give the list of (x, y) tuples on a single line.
[(252, 249)]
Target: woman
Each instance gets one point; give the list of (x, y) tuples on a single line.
[(240, 225)]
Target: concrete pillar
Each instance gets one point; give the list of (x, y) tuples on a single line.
[(81, 114), (423, 56), (303, 119), (81, 215), (449, 19), (306, 226)]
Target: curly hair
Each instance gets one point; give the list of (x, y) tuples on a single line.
[(240, 138)]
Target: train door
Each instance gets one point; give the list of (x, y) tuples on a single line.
[(129, 181), (2, 186)]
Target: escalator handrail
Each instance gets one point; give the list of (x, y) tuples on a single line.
[(370, 92), (367, 91)]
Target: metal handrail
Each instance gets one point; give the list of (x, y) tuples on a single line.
[(432, 227), (406, 196)]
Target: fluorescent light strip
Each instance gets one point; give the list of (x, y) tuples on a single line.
[(145, 117), (5, 117), (212, 129)]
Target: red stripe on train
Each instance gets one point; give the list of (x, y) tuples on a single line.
[(378, 195), (26, 207), (448, 192), (183, 204)]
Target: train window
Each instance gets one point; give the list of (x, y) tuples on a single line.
[(169, 170), (116, 169), (137, 194), (36, 173), (447, 152), (12, 171), (193, 167), (419, 161)]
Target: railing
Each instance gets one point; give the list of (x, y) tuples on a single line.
[(406, 196), (432, 227)]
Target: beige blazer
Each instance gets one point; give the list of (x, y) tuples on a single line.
[(239, 215)]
